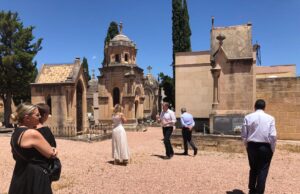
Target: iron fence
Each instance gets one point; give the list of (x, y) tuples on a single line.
[(72, 131)]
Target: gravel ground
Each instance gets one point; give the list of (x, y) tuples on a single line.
[(88, 168)]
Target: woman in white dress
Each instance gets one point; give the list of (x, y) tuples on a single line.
[(120, 150)]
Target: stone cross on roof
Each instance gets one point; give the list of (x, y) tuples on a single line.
[(149, 69), (121, 27), (93, 73), (220, 38)]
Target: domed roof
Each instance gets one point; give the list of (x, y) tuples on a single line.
[(121, 40), (121, 37)]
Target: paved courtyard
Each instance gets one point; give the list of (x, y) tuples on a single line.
[(88, 168)]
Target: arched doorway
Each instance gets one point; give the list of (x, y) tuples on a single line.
[(116, 96), (136, 106), (148, 102), (49, 103), (79, 111), (136, 103)]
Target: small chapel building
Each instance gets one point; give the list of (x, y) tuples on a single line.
[(63, 87)]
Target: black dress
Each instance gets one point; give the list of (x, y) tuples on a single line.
[(28, 175), (48, 135)]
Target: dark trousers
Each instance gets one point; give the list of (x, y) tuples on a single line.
[(259, 156), (187, 138), (167, 132)]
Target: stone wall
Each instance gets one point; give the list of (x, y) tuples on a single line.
[(282, 96), (194, 83), (276, 71), (236, 87), (231, 144)]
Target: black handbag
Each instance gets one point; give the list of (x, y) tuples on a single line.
[(54, 169)]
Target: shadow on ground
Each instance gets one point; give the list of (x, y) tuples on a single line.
[(112, 162), (235, 191), (159, 156), (165, 157)]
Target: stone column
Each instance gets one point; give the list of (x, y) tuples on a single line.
[(215, 71), (96, 107)]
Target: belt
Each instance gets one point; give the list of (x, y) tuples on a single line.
[(258, 143)]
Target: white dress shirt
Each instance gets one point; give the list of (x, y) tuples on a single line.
[(167, 118), (259, 127)]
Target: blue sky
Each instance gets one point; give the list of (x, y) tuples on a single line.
[(77, 28)]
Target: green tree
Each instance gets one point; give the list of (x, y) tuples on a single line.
[(176, 36), (112, 31), (181, 32), (186, 30), (25, 95), (176, 29), (86, 67), (166, 82), (17, 51)]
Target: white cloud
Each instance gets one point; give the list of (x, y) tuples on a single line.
[(94, 57)]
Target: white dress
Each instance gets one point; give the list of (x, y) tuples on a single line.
[(120, 150)]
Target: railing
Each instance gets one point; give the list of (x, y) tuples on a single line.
[(142, 125), (100, 128), (71, 131), (65, 131)]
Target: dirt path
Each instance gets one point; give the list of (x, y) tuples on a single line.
[(87, 168)]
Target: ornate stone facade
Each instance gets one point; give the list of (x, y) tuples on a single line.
[(151, 96), (121, 81), (233, 72)]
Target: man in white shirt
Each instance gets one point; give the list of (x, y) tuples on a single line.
[(167, 119), (259, 136)]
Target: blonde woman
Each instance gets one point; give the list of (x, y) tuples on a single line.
[(120, 150), (30, 151)]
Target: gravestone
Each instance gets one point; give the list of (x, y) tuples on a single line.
[(228, 125)]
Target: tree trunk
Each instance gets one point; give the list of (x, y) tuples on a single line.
[(7, 99)]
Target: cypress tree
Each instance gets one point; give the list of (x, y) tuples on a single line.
[(176, 29), (186, 30), (86, 67), (17, 69), (112, 31), (181, 32), (176, 38)]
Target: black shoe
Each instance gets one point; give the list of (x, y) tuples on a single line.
[(252, 191), (185, 154), (195, 151)]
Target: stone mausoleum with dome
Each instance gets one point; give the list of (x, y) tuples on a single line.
[(122, 81), (72, 98)]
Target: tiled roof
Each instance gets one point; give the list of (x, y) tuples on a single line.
[(55, 73)]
